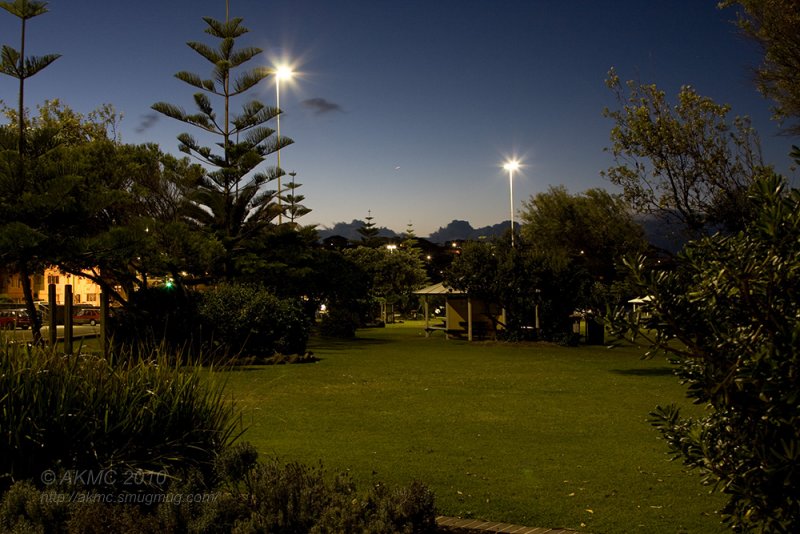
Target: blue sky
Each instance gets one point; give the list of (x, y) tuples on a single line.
[(408, 108)]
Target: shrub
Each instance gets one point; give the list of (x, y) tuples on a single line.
[(248, 320), (158, 317), (729, 315), (23, 510), (295, 498), (340, 323), (568, 339), (86, 413), (252, 497)]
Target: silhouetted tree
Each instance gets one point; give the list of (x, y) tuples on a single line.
[(686, 162), (369, 232), (294, 207), (230, 201), (728, 314), (775, 26), (22, 237), (593, 230)]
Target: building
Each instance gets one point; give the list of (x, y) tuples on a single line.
[(464, 315), (84, 291)]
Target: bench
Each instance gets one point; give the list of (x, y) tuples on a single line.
[(480, 329), (441, 327)]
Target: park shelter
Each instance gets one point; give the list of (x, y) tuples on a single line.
[(641, 305), (464, 315)]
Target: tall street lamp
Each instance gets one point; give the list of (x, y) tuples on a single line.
[(511, 166), (281, 73)]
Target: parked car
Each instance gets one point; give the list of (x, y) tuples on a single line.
[(11, 319), (23, 319), (8, 319), (86, 316)]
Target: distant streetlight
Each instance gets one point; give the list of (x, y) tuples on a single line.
[(511, 166), (282, 72)]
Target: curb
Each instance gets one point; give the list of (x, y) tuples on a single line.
[(456, 524)]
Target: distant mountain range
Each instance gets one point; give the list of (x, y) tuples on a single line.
[(459, 230), (350, 230), (455, 231), (658, 232), (662, 233)]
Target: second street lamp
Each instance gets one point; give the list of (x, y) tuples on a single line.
[(511, 166), (281, 73)]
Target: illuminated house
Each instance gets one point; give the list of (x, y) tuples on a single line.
[(84, 291)]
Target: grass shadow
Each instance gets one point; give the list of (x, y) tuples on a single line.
[(649, 371), (336, 344)]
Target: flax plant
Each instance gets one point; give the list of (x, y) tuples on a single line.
[(60, 413)]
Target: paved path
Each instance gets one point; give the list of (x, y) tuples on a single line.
[(479, 525), (78, 331)]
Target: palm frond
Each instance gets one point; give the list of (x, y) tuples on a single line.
[(170, 110), (232, 28), (247, 80), (247, 117), (206, 51), (204, 105), (258, 135), (244, 55), (221, 73), (10, 61), (225, 49), (202, 121), (188, 140), (264, 197), (276, 143), (25, 10), (196, 81), (189, 145), (253, 114), (34, 64), (272, 173)]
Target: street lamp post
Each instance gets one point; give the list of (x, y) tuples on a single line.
[(511, 166), (281, 73)]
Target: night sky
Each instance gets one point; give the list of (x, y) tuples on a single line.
[(407, 108)]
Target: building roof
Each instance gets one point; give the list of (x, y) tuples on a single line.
[(439, 289)]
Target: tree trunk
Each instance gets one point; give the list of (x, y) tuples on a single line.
[(27, 292)]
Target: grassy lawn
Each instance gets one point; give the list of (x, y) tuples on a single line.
[(536, 435)]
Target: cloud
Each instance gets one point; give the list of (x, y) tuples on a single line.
[(321, 106), (147, 122)]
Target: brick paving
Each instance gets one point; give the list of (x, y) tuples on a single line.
[(479, 525)]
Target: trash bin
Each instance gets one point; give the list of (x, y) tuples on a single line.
[(576, 319), (595, 330)]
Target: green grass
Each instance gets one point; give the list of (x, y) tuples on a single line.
[(536, 434)]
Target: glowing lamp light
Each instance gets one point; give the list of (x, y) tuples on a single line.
[(511, 166), (284, 72)]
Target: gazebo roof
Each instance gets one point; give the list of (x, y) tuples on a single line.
[(438, 289)]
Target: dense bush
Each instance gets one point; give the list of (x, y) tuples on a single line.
[(729, 315), (250, 321), (252, 497), (86, 413), (158, 317), (295, 498), (339, 322)]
